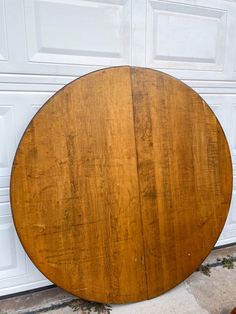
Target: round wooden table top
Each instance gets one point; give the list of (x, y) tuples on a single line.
[(121, 185)]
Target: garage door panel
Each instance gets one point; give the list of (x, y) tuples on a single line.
[(191, 39), (3, 33), (82, 32), (59, 37), (199, 46)]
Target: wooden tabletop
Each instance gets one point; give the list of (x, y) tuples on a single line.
[(121, 185)]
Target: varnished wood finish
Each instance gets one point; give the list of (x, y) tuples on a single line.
[(121, 185)]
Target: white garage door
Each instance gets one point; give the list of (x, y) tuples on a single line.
[(44, 44)]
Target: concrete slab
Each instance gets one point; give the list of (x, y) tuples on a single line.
[(217, 293), (199, 294), (36, 301), (178, 300)]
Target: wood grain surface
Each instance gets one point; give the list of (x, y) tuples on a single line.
[(121, 185)]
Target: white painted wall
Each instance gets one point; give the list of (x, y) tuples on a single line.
[(44, 44)]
